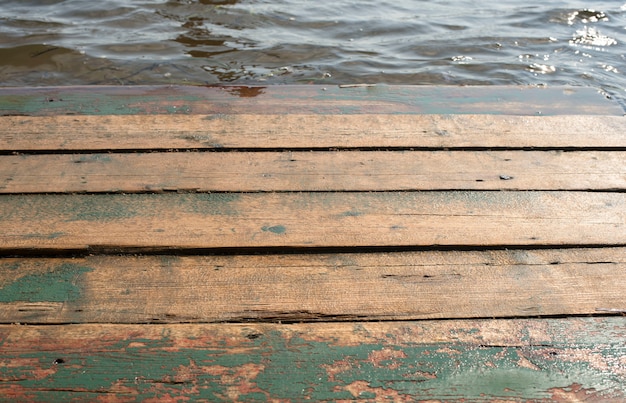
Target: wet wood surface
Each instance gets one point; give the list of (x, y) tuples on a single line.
[(245, 243), (306, 99)]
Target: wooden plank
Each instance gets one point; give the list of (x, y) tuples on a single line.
[(315, 99), (562, 360), (313, 171), (141, 132), (228, 220), (295, 288)]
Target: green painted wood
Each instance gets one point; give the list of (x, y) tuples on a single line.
[(575, 359), (565, 360), (316, 99), (350, 219)]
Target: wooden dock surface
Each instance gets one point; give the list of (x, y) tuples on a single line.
[(309, 243)]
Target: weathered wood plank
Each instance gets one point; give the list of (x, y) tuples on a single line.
[(219, 220), (141, 132), (316, 99), (453, 361), (381, 286), (348, 358), (313, 171)]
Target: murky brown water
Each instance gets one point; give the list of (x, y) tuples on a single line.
[(63, 42)]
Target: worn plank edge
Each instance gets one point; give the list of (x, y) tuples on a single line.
[(515, 100)]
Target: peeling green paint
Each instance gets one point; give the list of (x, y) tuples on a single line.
[(275, 229), (276, 367), (55, 285), (144, 365), (469, 372)]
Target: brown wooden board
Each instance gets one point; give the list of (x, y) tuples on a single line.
[(564, 360), (335, 219), (318, 287), (308, 99), (255, 207), (313, 171), (278, 131)]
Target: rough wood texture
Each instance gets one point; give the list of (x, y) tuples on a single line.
[(567, 360), (250, 220), (313, 171), (254, 207), (272, 131), (327, 287)]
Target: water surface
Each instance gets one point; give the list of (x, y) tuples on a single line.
[(452, 42)]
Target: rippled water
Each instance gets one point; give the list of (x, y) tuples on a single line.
[(62, 42)]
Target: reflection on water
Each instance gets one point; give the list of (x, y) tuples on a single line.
[(57, 42), (243, 91)]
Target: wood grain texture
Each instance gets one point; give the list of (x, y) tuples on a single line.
[(313, 171), (278, 131), (256, 207), (227, 220), (305, 99), (325, 287), (564, 360)]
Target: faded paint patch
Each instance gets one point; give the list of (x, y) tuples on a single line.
[(351, 213), (92, 158), (10, 266), (53, 235), (101, 208), (276, 229), (211, 203), (56, 285)]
